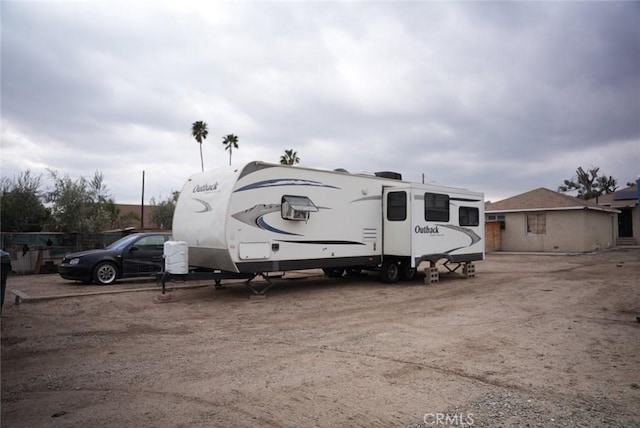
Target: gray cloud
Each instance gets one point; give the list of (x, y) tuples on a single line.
[(498, 97)]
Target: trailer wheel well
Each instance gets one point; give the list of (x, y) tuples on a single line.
[(407, 273)]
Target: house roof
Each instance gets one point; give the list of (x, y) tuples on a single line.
[(135, 210), (542, 199), (622, 198)]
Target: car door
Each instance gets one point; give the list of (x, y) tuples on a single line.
[(144, 256)]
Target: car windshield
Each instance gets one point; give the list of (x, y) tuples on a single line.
[(123, 242)]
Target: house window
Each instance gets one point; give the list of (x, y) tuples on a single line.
[(397, 206), (436, 207), (536, 224), (496, 218), (297, 207), (469, 216)]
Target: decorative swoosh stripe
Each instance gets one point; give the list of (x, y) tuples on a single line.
[(322, 242), (465, 199), (206, 206), (368, 198), (470, 233), (251, 215), (262, 224), (283, 182), (254, 217), (454, 249)]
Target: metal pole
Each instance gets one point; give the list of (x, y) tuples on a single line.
[(142, 204), (638, 189)]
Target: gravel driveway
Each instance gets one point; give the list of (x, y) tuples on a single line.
[(532, 340)]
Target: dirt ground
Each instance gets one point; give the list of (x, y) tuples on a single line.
[(532, 340)]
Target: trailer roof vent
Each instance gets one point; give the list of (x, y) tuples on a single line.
[(389, 174), (297, 207)]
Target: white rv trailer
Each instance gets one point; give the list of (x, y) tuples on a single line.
[(261, 218)]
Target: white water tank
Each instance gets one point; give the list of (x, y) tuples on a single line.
[(176, 257)]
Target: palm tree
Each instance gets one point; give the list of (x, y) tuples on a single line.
[(230, 142), (289, 157), (199, 132)]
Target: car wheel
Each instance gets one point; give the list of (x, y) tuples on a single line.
[(390, 272), (105, 273)]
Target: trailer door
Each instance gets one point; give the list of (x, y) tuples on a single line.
[(396, 205)]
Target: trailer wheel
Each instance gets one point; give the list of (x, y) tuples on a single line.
[(333, 272), (354, 271), (390, 271)]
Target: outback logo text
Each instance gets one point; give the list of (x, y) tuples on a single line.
[(427, 229), (205, 188)]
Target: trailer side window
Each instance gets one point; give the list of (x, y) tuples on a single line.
[(469, 216), (297, 207), (436, 207), (397, 206)]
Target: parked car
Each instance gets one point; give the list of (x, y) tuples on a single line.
[(138, 254)]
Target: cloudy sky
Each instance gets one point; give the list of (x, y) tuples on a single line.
[(495, 97)]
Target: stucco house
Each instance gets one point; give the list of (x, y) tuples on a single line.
[(542, 220), (628, 224)]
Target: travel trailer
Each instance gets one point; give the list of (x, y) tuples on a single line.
[(261, 218)]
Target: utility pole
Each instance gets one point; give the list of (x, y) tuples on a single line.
[(638, 189), (142, 204)]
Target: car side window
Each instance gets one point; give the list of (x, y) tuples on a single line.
[(154, 242)]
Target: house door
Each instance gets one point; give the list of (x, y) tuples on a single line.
[(625, 223)]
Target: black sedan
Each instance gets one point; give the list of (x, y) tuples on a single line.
[(139, 254)]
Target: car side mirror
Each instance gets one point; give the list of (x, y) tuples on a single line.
[(132, 249)]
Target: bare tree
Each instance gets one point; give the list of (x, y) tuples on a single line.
[(589, 184)]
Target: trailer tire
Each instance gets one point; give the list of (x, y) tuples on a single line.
[(390, 272), (333, 272), (354, 271), (407, 273)]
